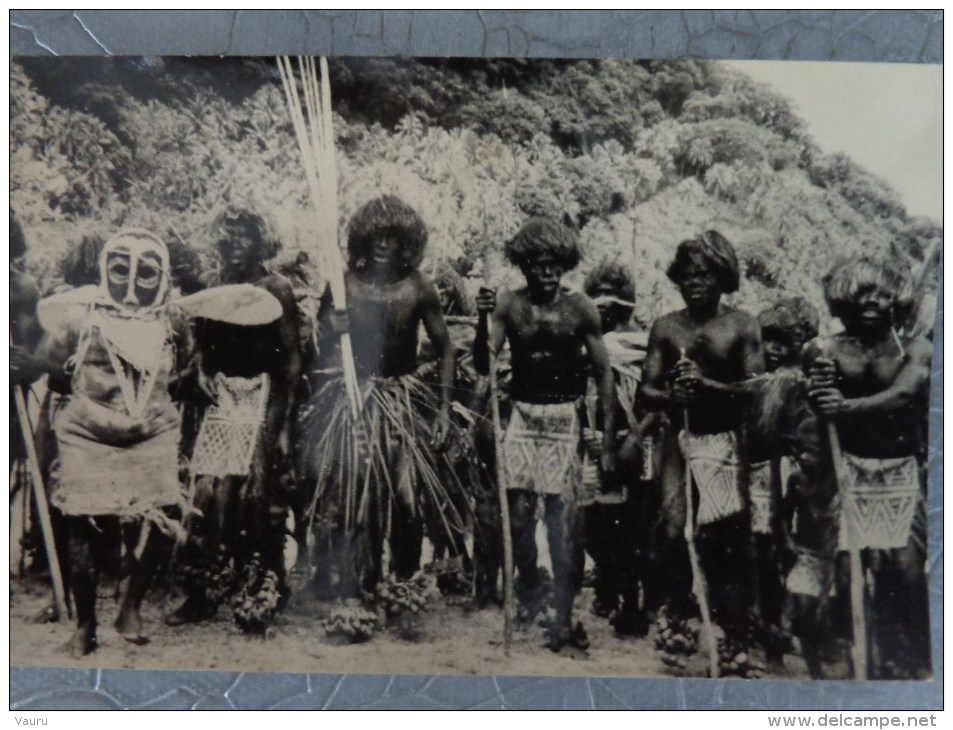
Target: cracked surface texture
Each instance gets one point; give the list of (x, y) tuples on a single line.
[(909, 36)]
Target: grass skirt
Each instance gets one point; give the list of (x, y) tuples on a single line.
[(359, 465)]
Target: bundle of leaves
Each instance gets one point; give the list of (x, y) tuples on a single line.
[(399, 603), (256, 603), (350, 624), (736, 660), (676, 639)]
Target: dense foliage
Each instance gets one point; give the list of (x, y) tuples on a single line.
[(635, 155)]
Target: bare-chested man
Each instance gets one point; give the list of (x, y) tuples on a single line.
[(555, 342), (248, 376), (874, 386), (404, 422), (697, 361)]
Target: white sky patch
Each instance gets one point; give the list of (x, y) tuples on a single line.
[(888, 118)]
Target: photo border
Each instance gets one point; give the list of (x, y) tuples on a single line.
[(872, 36)]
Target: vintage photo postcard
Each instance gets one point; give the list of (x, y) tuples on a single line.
[(465, 366)]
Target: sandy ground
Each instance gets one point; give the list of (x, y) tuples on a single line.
[(452, 640)]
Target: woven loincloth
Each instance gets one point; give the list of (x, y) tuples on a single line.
[(716, 470), (541, 449), (229, 433), (882, 500), (99, 478), (759, 486)]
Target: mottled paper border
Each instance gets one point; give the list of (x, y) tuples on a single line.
[(908, 36)]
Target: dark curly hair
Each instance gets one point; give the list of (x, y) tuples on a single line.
[(447, 278), (542, 236), (17, 239), (848, 280), (80, 265), (716, 251), (794, 316), (255, 225), (615, 275), (187, 267), (387, 214)]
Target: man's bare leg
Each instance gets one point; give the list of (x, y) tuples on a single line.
[(525, 553), (565, 547), (205, 535), (83, 581), (129, 621)]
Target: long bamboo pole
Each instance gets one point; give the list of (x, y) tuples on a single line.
[(314, 133), (500, 484), (42, 506), (858, 650)]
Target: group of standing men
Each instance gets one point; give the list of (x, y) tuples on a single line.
[(694, 465)]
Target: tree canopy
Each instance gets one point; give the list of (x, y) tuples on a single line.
[(635, 155)]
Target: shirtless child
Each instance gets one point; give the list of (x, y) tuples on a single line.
[(618, 522), (697, 360), (555, 340), (779, 432), (873, 384)]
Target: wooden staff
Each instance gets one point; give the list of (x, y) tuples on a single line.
[(858, 650), (698, 575), (42, 507), (25, 496), (635, 255), (501, 484)]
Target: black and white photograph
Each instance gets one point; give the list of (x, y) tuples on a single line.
[(534, 367)]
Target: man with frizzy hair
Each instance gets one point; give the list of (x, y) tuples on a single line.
[(873, 385), (402, 424), (555, 342), (698, 361)]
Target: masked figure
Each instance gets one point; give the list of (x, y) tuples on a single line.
[(114, 348)]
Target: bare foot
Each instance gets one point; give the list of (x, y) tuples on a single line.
[(47, 615), (129, 625), (82, 642)]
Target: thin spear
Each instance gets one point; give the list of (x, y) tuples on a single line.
[(858, 652), (698, 574), (500, 474)]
